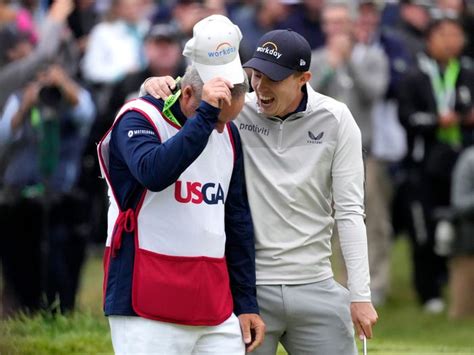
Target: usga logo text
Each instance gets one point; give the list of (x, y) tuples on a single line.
[(196, 192), (270, 48)]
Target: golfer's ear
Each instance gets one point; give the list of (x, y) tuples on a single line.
[(307, 75)]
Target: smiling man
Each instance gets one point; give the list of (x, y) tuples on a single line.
[(310, 158), (303, 161)]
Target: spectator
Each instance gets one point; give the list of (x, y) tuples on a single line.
[(43, 131), (464, 11), (357, 74), (351, 72), (257, 19), (414, 18), (306, 20), (163, 56), (436, 101), (462, 254), (114, 48), (388, 141), (185, 14), (82, 20), (19, 16)]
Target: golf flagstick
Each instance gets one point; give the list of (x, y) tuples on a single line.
[(364, 345)]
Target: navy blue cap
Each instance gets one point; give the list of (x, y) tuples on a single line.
[(280, 53)]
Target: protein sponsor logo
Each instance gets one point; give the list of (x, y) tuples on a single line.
[(138, 132), (222, 49), (270, 48), (254, 128)]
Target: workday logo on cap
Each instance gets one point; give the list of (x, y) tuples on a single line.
[(280, 53), (222, 49), (269, 48), (214, 49)]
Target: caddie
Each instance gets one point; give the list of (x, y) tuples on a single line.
[(180, 257)]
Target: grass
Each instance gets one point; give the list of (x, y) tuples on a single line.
[(402, 329), (84, 332)]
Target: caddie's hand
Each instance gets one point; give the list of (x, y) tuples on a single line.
[(364, 317), (160, 86), (216, 91), (253, 330)]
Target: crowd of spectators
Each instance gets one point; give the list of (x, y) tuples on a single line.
[(404, 68)]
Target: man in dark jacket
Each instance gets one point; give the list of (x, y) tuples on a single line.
[(436, 109)]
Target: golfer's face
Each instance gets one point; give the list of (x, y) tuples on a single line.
[(276, 98)]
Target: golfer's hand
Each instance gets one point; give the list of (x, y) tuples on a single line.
[(159, 86), (253, 330), (364, 317), (216, 91)]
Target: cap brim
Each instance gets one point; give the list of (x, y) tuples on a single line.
[(230, 71), (272, 70)]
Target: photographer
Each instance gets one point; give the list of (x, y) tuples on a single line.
[(43, 130)]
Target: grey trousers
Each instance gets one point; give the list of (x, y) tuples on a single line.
[(307, 319)]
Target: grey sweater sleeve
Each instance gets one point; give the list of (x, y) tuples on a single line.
[(16, 74)]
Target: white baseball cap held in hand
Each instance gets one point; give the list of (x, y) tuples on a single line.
[(214, 49)]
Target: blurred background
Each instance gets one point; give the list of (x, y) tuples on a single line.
[(404, 68)]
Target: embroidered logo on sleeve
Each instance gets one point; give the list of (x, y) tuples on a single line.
[(140, 132)]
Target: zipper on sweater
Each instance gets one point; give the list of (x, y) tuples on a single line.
[(280, 134)]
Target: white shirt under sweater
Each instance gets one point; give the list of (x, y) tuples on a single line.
[(295, 170)]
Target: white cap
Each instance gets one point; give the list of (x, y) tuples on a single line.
[(214, 49)]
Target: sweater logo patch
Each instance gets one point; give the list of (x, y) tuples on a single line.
[(315, 139), (197, 193)]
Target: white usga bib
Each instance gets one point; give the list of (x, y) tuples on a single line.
[(180, 273)]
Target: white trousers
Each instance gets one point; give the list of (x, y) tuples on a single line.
[(136, 335)]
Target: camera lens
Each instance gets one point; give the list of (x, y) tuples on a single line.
[(50, 96)]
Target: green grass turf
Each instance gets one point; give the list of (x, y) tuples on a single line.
[(402, 328)]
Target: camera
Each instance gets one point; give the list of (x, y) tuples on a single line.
[(51, 97)]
